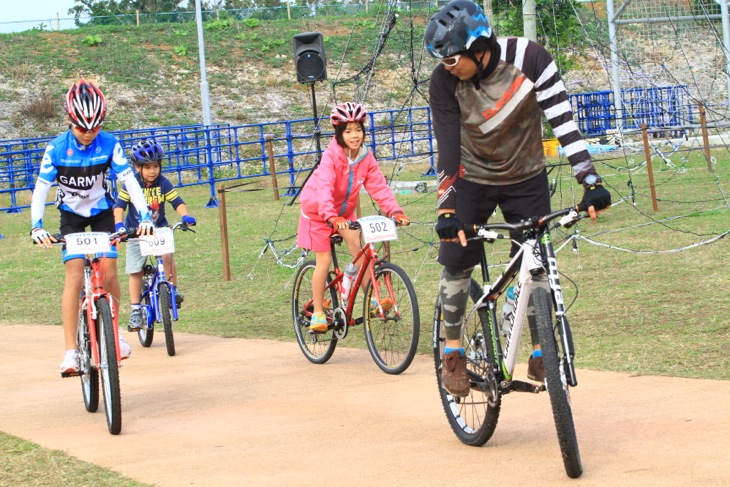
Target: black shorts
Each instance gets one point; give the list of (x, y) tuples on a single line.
[(476, 202), (73, 223)]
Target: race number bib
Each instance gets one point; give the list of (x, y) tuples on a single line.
[(377, 228), (161, 243), (87, 243)]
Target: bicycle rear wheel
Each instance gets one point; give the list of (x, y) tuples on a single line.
[(472, 418), (88, 373), (556, 383), (393, 338), (109, 367), (317, 347), (165, 313)]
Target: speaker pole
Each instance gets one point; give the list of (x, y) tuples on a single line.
[(311, 66), (317, 129), (317, 136)]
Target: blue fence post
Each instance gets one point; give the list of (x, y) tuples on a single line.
[(432, 166), (290, 159), (13, 193), (213, 202)]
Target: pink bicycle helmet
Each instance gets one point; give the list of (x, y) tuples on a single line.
[(348, 112), (85, 105)]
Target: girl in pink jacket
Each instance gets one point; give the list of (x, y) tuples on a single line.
[(330, 196)]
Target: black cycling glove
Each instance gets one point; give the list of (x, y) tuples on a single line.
[(448, 226), (596, 196)]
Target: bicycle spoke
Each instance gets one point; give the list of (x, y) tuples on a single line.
[(316, 347), (392, 335), (472, 418)]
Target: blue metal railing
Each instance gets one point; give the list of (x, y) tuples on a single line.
[(198, 155), (664, 106)]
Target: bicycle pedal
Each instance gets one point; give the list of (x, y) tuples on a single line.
[(521, 386), (70, 374)]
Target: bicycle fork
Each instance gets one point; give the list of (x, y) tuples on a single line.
[(94, 290), (153, 292), (566, 337)]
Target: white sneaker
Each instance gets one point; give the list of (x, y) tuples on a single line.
[(70, 364), (125, 349)]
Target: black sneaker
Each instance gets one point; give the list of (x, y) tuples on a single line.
[(453, 374), (179, 300), (535, 369)]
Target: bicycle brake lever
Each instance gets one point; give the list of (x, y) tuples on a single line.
[(570, 219)]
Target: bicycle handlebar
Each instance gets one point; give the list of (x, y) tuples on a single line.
[(61, 239), (486, 231), (178, 226), (355, 225)]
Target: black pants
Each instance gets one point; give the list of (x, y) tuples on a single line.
[(476, 202)]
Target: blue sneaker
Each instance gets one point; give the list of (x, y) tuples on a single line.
[(318, 323), (386, 303)]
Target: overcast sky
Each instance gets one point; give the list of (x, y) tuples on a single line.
[(18, 15)]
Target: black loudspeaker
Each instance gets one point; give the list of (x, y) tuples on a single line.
[(309, 57)]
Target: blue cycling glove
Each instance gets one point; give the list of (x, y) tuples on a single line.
[(188, 220), (119, 227)]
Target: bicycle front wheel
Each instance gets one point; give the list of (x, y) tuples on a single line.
[(556, 383), (88, 373), (147, 332), (165, 313), (393, 337), (109, 367), (472, 418), (317, 347)]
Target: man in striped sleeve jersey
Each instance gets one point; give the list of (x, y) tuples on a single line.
[(487, 97)]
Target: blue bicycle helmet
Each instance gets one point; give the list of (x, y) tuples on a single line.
[(455, 28), (147, 151)]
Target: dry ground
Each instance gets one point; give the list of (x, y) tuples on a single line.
[(240, 412)]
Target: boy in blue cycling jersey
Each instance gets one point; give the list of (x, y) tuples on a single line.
[(79, 160), (147, 159)]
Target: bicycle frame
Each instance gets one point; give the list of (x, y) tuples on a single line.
[(369, 256), (159, 279), (535, 258), (93, 290)]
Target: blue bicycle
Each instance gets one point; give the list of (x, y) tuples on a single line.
[(159, 296)]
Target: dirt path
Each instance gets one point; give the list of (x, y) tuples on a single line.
[(229, 412)]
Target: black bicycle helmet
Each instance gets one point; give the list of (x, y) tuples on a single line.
[(147, 151), (455, 27)]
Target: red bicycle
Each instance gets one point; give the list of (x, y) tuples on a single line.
[(390, 307), (97, 339)]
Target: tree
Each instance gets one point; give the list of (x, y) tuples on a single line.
[(107, 8), (557, 25)]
